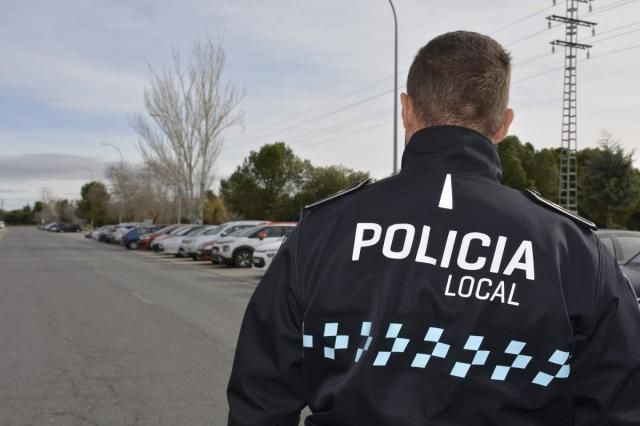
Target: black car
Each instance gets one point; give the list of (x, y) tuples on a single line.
[(625, 245), (68, 227)]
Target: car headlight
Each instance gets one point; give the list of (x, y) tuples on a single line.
[(225, 248), (271, 254)]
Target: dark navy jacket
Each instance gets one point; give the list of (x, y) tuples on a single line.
[(440, 297)]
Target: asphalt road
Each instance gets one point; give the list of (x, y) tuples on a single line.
[(91, 334)]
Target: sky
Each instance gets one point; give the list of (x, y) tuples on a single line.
[(315, 74)]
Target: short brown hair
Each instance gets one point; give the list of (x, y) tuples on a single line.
[(461, 78)]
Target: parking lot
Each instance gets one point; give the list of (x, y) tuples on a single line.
[(94, 334)]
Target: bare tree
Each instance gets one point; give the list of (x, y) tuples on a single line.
[(190, 109), (143, 194)]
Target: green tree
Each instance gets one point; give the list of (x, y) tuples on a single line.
[(23, 216), (94, 203), (608, 184), (264, 186), (322, 182), (511, 154), (275, 184), (545, 174)]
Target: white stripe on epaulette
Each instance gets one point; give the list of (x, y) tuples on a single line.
[(578, 219), (341, 193)]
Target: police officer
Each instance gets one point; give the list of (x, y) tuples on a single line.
[(439, 296)]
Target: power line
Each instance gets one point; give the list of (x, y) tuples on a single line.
[(321, 106), (247, 137), (597, 38), (232, 163), (617, 35), (262, 134), (523, 19), (339, 126)]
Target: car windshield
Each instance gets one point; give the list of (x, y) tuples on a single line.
[(182, 231), (194, 231), (200, 231), (213, 231), (168, 229), (246, 232)]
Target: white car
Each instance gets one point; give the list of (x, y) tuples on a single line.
[(174, 245), (118, 232), (191, 245), (96, 232), (179, 231), (2, 225), (237, 251), (264, 254)]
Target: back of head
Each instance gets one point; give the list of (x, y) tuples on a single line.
[(461, 78)]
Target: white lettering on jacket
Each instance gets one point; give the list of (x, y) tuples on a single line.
[(399, 240)]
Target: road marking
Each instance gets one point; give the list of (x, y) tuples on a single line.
[(147, 301)]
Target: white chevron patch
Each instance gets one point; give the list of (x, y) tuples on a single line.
[(446, 198)]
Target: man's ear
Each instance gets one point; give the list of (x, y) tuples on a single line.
[(408, 112), (502, 132)]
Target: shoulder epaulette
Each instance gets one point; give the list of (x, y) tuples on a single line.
[(559, 209), (340, 194)]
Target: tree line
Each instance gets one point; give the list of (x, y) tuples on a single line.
[(274, 183), (608, 182)]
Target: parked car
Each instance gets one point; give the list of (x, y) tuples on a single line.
[(237, 251), (174, 245), (2, 224), (96, 232), (52, 227), (130, 238), (102, 235), (145, 240), (68, 227), (191, 245), (264, 254), (625, 246), (114, 234), (156, 245), (204, 251), (171, 245)]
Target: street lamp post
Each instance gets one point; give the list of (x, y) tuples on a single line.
[(121, 168), (395, 92)]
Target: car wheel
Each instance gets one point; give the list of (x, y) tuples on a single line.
[(133, 245), (242, 258)]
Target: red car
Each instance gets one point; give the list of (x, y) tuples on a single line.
[(204, 253), (147, 239)]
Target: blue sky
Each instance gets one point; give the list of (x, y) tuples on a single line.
[(72, 72)]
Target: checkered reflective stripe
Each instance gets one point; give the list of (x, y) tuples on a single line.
[(520, 361), (341, 341), (440, 350), (365, 331), (559, 358), (460, 369), (399, 345)]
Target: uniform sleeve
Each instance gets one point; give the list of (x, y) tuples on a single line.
[(607, 368), (266, 384)]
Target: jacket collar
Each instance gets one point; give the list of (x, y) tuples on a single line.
[(451, 149)]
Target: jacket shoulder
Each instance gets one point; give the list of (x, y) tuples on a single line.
[(537, 198), (315, 205)]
